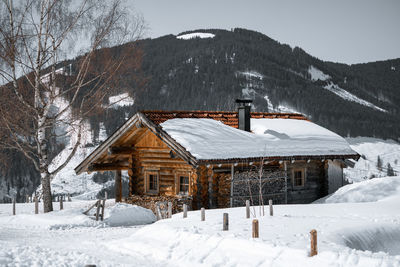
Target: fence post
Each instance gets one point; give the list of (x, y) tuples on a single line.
[(271, 209), (98, 209), (184, 211), (247, 209), (61, 203), (225, 223), (203, 214), (255, 228), (103, 205), (36, 205), (14, 206), (169, 209), (313, 236)]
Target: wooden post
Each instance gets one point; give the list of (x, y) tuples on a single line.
[(27, 199), (247, 209), (184, 211), (69, 197), (169, 209), (61, 203), (118, 186), (158, 211), (255, 228), (14, 206), (36, 205), (203, 214), (105, 195), (103, 205), (225, 223), (313, 236), (271, 209), (98, 210)]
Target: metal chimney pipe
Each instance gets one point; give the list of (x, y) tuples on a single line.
[(244, 114)]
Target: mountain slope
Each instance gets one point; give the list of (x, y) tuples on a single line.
[(209, 69)]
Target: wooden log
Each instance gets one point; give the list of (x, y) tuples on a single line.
[(14, 208), (91, 207), (184, 211), (271, 209), (118, 186), (98, 210), (255, 230), (103, 205), (169, 209), (225, 222), (203, 214), (247, 209), (313, 236), (36, 205), (121, 150), (61, 203)]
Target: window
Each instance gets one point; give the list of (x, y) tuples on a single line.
[(184, 184), (298, 178), (152, 182)]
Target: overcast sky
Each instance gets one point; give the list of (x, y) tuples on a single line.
[(347, 31)]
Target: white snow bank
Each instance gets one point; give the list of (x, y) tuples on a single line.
[(211, 139), (316, 74), (122, 214), (192, 35), (382, 238), (376, 189)]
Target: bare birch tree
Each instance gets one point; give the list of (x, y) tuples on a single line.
[(38, 93)]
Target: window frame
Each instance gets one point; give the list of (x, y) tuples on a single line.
[(147, 176), (178, 176), (303, 177)]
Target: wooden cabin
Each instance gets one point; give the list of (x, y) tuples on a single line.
[(219, 159)]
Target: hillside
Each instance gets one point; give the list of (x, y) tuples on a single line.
[(209, 69)]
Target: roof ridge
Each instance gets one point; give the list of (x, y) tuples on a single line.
[(216, 111)]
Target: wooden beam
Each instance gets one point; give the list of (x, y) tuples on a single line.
[(108, 166), (121, 150), (118, 186)]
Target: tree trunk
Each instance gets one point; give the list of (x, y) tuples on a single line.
[(46, 189)]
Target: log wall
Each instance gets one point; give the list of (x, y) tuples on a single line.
[(210, 185), (153, 156)]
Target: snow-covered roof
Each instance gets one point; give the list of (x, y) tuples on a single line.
[(208, 139)]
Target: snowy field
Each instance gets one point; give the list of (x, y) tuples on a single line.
[(370, 148), (351, 232)]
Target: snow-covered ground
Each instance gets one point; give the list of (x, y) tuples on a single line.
[(334, 88), (316, 74), (192, 35), (121, 100), (349, 234), (369, 149)]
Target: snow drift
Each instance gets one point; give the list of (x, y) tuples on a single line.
[(122, 214), (376, 189)]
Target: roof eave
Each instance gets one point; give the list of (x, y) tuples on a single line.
[(279, 158), (82, 167)]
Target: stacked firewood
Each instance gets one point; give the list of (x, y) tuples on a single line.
[(150, 202)]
